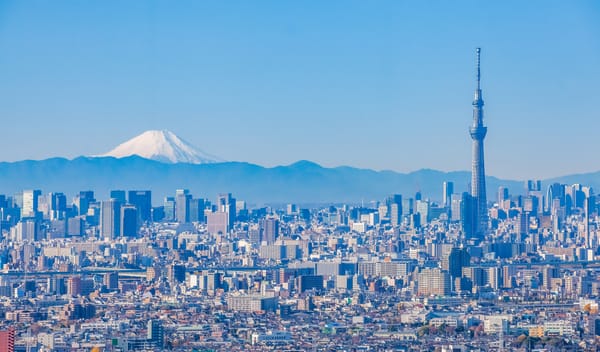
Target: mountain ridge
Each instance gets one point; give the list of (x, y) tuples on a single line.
[(300, 182)]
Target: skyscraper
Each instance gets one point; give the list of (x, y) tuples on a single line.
[(83, 201), (110, 218), (30, 203), (119, 195), (142, 200), (448, 190), (182, 203), (225, 203), (169, 206), (478, 132), (129, 221)]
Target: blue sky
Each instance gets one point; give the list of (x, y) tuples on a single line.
[(373, 84)]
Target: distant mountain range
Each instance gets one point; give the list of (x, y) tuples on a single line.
[(301, 182), (179, 165)]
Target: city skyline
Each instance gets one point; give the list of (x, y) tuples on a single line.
[(331, 83)]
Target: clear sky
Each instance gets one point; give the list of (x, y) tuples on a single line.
[(373, 84)]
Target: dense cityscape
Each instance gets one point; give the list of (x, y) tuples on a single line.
[(455, 271), (404, 273)]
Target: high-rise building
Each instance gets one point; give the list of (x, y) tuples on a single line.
[(407, 206), (448, 190), (555, 191), (169, 209), (226, 204), (395, 214), (182, 204), (30, 203), (83, 201), (75, 226), (394, 209), (269, 230), (142, 200), (433, 281), (110, 218), (129, 221), (197, 210), (458, 259), (478, 132), (57, 206), (423, 209), (119, 195), (455, 207)]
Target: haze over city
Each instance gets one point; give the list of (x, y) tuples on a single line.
[(338, 83)]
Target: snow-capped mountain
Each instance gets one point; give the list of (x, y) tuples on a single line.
[(163, 146)]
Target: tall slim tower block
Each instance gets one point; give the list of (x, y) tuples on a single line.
[(478, 132)]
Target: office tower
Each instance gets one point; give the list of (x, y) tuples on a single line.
[(110, 221), (118, 195), (182, 204), (169, 208), (269, 230), (395, 214), (533, 185), (394, 208), (58, 206), (455, 207), (26, 230), (156, 333), (142, 200), (30, 203), (478, 132), (448, 190), (407, 206), (458, 259), (423, 209), (129, 221), (555, 191), (75, 226), (502, 194), (83, 201), (226, 204), (197, 210)]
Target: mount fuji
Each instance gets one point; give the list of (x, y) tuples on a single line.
[(163, 146)]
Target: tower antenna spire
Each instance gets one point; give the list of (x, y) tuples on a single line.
[(478, 67)]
